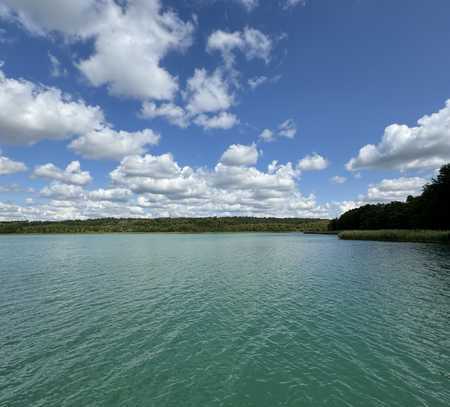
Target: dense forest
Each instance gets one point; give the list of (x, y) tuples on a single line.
[(430, 210), (184, 225)]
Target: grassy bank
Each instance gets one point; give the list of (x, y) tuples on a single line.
[(398, 235)]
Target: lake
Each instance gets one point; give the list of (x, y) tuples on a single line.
[(222, 320)]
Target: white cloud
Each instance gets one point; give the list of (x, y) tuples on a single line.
[(73, 18), (156, 185), (337, 179), (157, 175), (111, 195), (8, 166), (238, 154), (233, 187), (137, 38), (256, 44), (278, 178), (249, 5), (62, 210), (61, 191), (267, 135), (72, 174), (56, 70), (396, 189), (257, 81), (130, 40), (14, 188), (425, 146), (70, 195), (287, 129), (223, 120), (107, 143), (387, 190), (207, 93), (30, 113), (251, 42), (314, 162), (159, 167), (174, 114)]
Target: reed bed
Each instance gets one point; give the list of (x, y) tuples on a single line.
[(397, 235)]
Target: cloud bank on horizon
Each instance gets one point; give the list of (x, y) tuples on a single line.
[(149, 108)]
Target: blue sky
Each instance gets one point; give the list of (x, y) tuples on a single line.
[(233, 107)]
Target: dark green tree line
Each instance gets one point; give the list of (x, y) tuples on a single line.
[(430, 210), (187, 225)]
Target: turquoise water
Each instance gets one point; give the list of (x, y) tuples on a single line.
[(222, 320)]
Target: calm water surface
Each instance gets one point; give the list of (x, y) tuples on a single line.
[(222, 320)]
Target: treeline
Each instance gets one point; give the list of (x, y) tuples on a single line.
[(182, 225), (430, 210)]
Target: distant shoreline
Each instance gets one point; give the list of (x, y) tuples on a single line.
[(167, 225)]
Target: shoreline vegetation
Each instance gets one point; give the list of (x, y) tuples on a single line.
[(167, 225), (423, 218), (399, 235)]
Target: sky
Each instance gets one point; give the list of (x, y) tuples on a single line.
[(286, 108)]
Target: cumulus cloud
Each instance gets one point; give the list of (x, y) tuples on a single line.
[(287, 129), (205, 93), (72, 174), (30, 113), (160, 167), (70, 209), (107, 143), (137, 34), (426, 145), (8, 166), (313, 162), (56, 69), (137, 37), (174, 114), (65, 201), (208, 92), (156, 185), (71, 195), (223, 120), (387, 190), (267, 135), (249, 5), (337, 179), (111, 195), (233, 187), (396, 189), (157, 175), (73, 18), (14, 188), (238, 154), (60, 191), (251, 42)]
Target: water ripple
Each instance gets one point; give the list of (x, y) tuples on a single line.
[(222, 320)]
